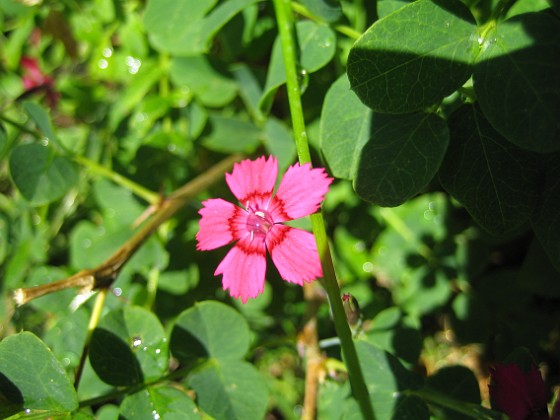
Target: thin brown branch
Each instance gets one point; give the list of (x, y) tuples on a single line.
[(309, 343), (105, 274)]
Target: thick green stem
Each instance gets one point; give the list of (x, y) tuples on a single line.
[(286, 30)]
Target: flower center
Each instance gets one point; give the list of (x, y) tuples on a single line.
[(259, 223)]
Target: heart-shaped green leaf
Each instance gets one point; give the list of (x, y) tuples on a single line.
[(400, 158), (128, 347), (230, 389), (199, 332), (345, 128), (495, 181), (414, 57), (31, 378), (186, 27), (159, 402), (40, 175), (517, 81)]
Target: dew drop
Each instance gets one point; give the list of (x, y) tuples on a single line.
[(360, 246), (86, 243), (107, 52), (136, 342), (103, 64), (158, 351), (156, 415), (27, 411), (117, 291), (367, 267)]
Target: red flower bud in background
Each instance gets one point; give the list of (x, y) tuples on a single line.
[(34, 80), (518, 389)]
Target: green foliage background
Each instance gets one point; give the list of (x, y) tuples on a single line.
[(439, 121)]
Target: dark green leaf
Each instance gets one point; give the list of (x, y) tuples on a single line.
[(471, 319), (328, 10), (495, 181), (390, 332), (279, 142), (230, 389), (232, 134), (31, 377), (210, 329), (538, 275), (411, 253), (186, 27), (545, 220), (316, 45), (457, 382), (161, 402), (141, 83), (41, 117), (250, 89), (207, 81), (40, 175), (517, 81), (345, 128), (128, 347), (414, 57), (401, 157), (3, 141), (386, 378)]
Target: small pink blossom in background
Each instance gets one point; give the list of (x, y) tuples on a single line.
[(35, 80), (521, 395), (258, 225)]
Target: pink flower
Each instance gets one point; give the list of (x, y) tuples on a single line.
[(257, 227)]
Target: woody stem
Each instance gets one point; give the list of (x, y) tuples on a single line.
[(286, 29)]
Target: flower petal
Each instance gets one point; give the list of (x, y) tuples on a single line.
[(294, 252), (517, 393), (221, 223), (300, 193), (244, 268), (253, 181)]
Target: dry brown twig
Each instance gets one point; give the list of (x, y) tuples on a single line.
[(103, 276)]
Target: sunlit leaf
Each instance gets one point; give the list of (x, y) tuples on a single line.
[(316, 48), (164, 402), (345, 128), (186, 27), (414, 57), (230, 389), (199, 332), (31, 377)]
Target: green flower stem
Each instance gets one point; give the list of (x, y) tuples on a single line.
[(343, 29), (137, 189), (286, 30)]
